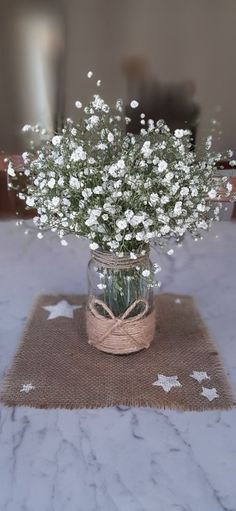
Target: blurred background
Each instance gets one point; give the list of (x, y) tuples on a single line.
[(176, 57)]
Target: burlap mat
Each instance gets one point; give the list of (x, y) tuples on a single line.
[(55, 367)]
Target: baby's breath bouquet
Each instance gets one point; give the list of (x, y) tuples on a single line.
[(122, 192)]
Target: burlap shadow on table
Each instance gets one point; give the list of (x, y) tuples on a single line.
[(55, 367)]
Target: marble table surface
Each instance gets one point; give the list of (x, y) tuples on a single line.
[(117, 459)]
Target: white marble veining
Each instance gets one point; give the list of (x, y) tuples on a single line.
[(117, 459)]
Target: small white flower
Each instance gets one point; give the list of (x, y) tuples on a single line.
[(10, 170), (184, 191), (146, 273), (43, 219), (25, 157), (121, 224), (135, 220), (132, 255), (66, 202), (30, 202), (179, 133), (146, 149), (64, 243), (51, 183), (87, 192), (55, 201), (39, 235), (194, 191), (56, 140), (59, 160), (92, 121), (117, 183), (129, 214), (26, 127), (201, 207), (209, 142), (98, 190), (74, 183), (134, 103), (113, 244), (140, 236), (90, 74), (202, 225), (78, 104), (101, 146), (99, 83), (165, 199), (110, 137), (119, 105), (165, 229), (101, 286), (212, 193), (157, 268), (78, 154), (162, 165), (154, 197), (121, 164), (105, 108), (60, 181), (178, 208), (93, 246)]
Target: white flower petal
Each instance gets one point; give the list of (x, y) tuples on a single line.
[(134, 103)]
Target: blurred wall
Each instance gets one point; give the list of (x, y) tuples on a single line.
[(181, 39), (31, 51), (95, 31)]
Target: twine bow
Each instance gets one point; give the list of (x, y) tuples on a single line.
[(120, 321)]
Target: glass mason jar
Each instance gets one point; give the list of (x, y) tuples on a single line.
[(120, 289)]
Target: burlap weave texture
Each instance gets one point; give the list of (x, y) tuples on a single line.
[(66, 372)]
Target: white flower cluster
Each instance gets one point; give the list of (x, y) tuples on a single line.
[(121, 191)]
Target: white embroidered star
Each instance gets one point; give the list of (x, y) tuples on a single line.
[(62, 308), (178, 301), (27, 387), (210, 394), (167, 382), (199, 376)]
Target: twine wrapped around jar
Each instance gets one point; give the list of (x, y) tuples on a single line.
[(126, 333), (121, 335), (110, 260)]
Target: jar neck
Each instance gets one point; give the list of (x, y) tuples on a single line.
[(110, 260)]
